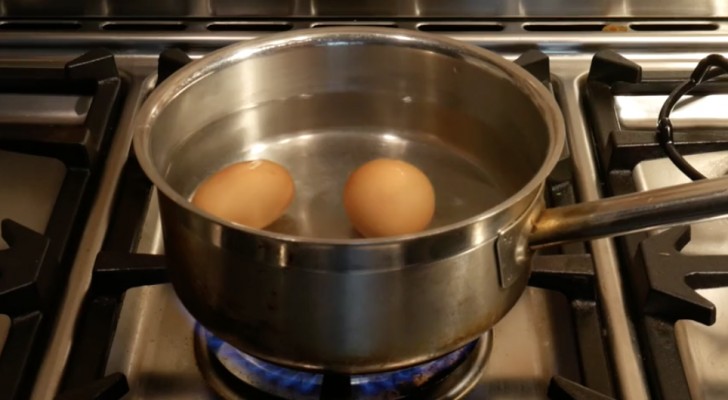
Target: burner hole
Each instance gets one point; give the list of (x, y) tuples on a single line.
[(564, 27), (650, 27), (249, 27), (460, 27), (39, 26), (143, 27), (372, 24)]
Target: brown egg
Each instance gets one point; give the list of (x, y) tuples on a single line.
[(251, 193), (388, 197)]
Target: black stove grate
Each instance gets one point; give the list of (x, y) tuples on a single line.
[(117, 269), (92, 74), (109, 387), (620, 150), (661, 281), (34, 268)]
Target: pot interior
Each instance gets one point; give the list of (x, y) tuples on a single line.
[(321, 111)]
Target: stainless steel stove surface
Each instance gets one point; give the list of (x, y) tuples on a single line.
[(35, 178), (681, 271), (704, 349), (585, 334)]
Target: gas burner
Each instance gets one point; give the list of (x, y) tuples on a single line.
[(235, 375)]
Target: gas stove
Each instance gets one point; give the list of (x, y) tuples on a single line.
[(86, 312)]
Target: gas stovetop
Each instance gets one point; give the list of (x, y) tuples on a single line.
[(85, 310)]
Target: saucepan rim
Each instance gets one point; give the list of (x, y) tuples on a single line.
[(198, 69)]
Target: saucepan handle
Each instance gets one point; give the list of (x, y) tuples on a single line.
[(690, 202)]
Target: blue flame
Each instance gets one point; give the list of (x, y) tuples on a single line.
[(373, 386), (302, 385), (266, 376)]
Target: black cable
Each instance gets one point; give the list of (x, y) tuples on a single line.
[(708, 68)]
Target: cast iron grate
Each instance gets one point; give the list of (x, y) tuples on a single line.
[(620, 149), (34, 267), (117, 268), (661, 281)]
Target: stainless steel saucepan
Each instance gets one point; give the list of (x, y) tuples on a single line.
[(307, 292)]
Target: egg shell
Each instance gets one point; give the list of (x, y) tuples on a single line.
[(252, 193), (387, 197)]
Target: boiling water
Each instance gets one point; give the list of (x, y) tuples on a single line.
[(321, 158)]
